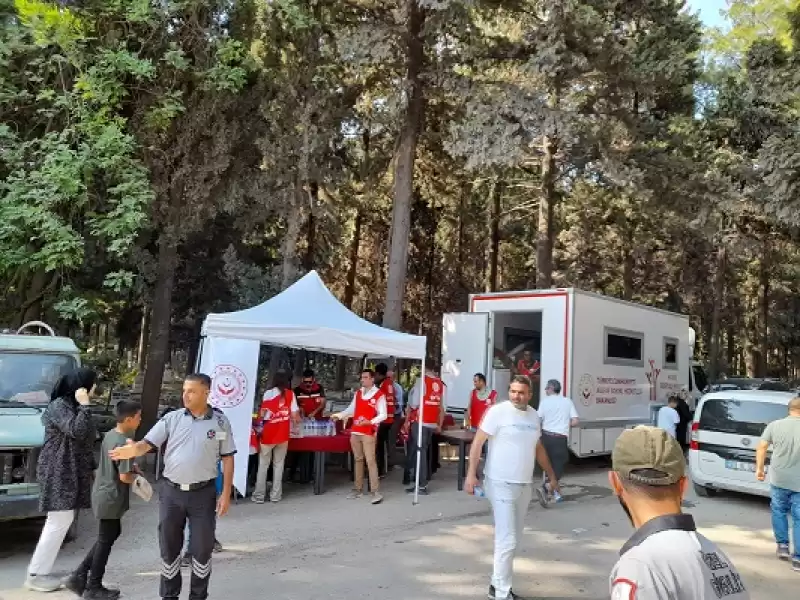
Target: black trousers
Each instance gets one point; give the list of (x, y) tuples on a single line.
[(382, 447), (94, 564), (557, 448), (394, 430), (424, 444), (175, 507)]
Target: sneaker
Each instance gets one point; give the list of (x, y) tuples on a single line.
[(258, 499), (101, 593), (423, 490), (217, 546), (274, 500), (796, 564), (511, 595), (377, 498), (541, 493), (76, 583), (43, 583), (354, 495), (783, 552)]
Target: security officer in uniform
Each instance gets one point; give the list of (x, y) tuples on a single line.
[(196, 439), (665, 559)]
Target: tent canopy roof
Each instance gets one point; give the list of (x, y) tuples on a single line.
[(306, 315)]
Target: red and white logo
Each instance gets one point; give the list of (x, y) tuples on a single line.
[(435, 386), (586, 388), (228, 386)]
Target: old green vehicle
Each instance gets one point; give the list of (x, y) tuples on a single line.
[(30, 366)]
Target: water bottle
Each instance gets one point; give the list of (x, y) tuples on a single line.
[(479, 492)]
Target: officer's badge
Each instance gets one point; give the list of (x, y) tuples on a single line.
[(221, 421), (212, 433)]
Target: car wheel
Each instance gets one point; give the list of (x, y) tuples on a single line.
[(703, 491)]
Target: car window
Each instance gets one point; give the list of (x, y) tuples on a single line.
[(741, 417)]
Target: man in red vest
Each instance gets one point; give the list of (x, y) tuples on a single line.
[(368, 410), (310, 396), (432, 412), (386, 386), (278, 409)]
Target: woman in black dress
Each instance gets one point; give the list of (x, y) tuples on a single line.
[(65, 468)]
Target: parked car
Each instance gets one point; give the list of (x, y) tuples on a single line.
[(748, 383), (726, 430)]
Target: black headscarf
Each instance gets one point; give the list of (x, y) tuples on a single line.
[(72, 382)]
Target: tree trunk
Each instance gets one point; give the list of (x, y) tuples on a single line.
[(141, 359), (405, 156), (628, 266), (159, 331), (492, 282), (763, 320), (350, 291), (36, 290), (716, 310), (547, 201), (294, 226)]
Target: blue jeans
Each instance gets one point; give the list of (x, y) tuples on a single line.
[(783, 503)]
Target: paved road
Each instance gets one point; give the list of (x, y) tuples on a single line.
[(327, 546)]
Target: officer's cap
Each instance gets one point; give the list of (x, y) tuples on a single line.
[(648, 456)]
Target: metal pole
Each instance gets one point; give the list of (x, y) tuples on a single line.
[(419, 433)]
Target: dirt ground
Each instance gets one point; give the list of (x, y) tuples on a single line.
[(330, 547)]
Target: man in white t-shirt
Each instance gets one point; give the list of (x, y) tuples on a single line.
[(513, 429), (558, 415), (668, 417)]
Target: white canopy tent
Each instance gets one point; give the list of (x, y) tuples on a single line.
[(306, 315)]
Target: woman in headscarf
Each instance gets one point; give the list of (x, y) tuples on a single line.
[(65, 468)]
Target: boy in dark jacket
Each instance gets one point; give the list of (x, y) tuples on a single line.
[(110, 500)]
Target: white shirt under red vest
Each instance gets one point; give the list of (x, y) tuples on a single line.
[(365, 404)]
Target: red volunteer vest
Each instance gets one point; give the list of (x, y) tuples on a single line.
[(366, 409), (432, 400), (387, 388), (478, 407), (309, 399), (276, 414)]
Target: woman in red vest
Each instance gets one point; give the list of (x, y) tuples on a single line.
[(479, 401), (368, 410), (278, 410)]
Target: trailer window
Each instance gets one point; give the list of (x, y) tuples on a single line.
[(670, 353), (623, 348)]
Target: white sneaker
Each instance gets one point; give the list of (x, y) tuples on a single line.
[(258, 499), (43, 583)]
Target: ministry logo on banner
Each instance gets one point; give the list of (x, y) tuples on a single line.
[(228, 386), (232, 366)]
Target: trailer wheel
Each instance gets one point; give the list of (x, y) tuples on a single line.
[(703, 491)]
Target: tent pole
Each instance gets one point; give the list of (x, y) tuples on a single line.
[(419, 432)]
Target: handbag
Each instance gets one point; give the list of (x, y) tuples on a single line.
[(142, 488)]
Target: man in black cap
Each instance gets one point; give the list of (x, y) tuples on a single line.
[(665, 559)]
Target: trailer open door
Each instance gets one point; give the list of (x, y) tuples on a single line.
[(465, 351)]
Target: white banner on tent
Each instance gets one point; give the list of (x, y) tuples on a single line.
[(233, 368)]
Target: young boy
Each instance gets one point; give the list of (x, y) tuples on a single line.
[(110, 500)]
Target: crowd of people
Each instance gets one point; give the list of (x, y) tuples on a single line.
[(666, 558)]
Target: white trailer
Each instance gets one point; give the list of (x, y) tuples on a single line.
[(617, 360)]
